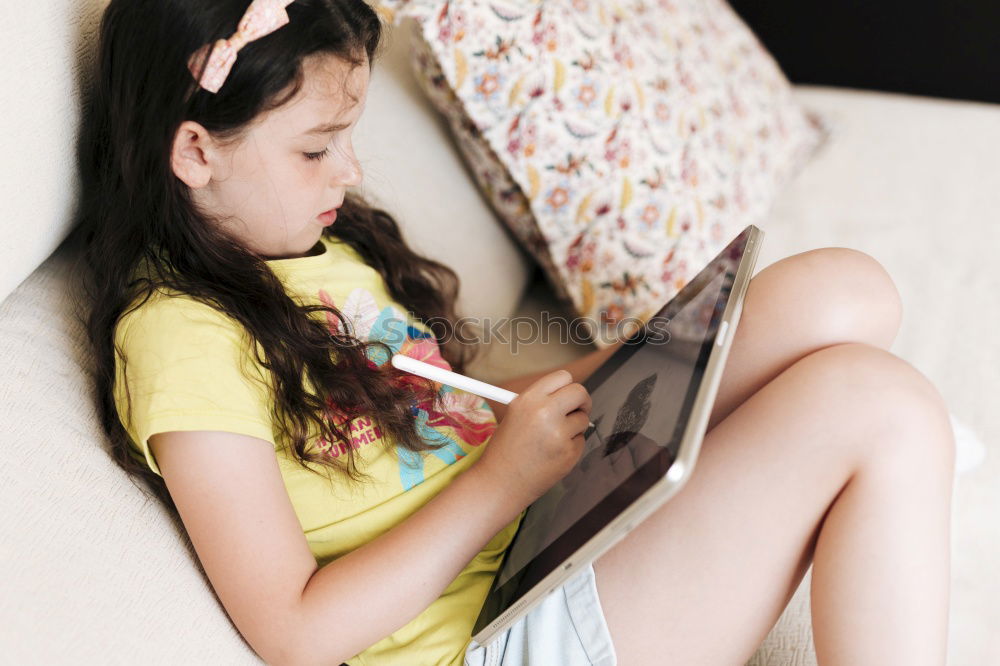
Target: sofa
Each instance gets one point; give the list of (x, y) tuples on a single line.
[(95, 571)]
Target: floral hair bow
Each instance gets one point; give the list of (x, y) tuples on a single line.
[(261, 18)]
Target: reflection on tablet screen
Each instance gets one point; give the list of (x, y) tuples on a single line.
[(637, 411)]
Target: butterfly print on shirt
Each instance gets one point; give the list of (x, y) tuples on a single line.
[(463, 417)]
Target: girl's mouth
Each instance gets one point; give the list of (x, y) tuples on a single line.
[(328, 217)]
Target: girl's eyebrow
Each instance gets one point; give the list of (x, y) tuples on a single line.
[(326, 128)]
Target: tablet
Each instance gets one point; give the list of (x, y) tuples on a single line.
[(651, 403)]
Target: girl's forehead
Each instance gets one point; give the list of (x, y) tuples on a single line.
[(331, 91), (331, 80)]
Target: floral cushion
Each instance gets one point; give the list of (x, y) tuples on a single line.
[(624, 143)]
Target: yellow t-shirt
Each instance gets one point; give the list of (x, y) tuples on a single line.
[(188, 368)]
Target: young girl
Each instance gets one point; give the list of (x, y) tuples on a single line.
[(245, 305)]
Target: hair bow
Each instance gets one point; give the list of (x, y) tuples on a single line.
[(262, 17)]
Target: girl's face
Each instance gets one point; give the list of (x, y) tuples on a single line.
[(296, 162)]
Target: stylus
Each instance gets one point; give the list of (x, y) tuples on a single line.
[(442, 376)]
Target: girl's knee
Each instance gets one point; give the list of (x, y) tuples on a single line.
[(899, 409), (855, 298)]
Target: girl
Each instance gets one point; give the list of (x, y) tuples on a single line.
[(344, 512)]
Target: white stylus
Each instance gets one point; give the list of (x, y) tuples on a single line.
[(442, 376)]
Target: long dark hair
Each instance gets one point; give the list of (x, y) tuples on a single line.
[(134, 209)]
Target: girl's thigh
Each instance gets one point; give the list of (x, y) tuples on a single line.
[(705, 578)]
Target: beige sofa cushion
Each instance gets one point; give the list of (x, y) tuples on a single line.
[(93, 571), (44, 51)]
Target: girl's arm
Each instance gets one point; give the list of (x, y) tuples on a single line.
[(229, 492), (580, 368)]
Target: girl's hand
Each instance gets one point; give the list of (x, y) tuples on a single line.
[(540, 438)]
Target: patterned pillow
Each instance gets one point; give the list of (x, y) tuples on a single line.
[(624, 143)]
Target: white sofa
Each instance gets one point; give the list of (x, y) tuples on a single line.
[(93, 572)]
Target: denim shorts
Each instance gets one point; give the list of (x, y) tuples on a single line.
[(567, 628)]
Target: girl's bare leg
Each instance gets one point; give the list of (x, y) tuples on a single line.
[(803, 303), (845, 454)]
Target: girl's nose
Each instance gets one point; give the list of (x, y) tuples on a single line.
[(354, 179), (349, 172)]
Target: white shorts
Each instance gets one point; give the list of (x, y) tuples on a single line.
[(567, 628)]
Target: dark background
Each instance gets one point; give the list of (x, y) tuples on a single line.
[(922, 47)]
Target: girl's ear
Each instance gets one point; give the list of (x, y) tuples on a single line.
[(189, 157)]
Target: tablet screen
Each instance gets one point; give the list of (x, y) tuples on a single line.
[(641, 400)]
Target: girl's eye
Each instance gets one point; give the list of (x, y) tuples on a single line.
[(317, 156)]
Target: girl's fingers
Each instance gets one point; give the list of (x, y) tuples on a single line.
[(572, 397)]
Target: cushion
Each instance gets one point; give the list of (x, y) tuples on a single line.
[(45, 52), (95, 571), (624, 144)]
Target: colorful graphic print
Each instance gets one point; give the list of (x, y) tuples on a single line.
[(464, 421)]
